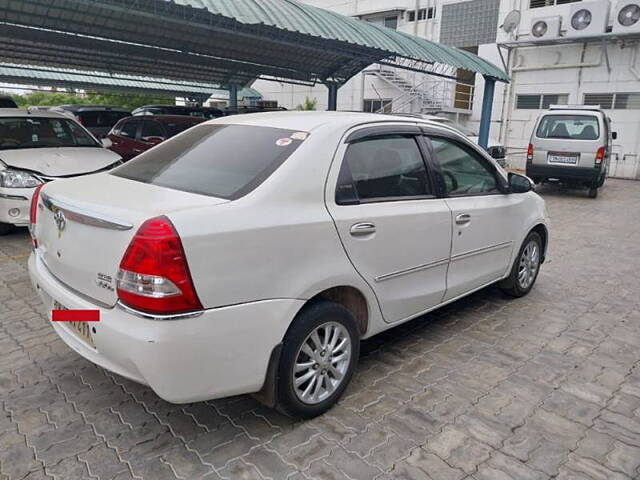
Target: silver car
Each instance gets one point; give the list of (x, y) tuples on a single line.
[(571, 145)]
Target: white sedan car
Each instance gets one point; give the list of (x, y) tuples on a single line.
[(251, 254), (36, 147)]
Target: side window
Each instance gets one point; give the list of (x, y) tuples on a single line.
[(464, 172), (381, 168), (129, 129), (151, 129)]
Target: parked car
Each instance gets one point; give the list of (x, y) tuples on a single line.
[(7, 102), (98, 119), (201, 112), (133, 135), (37, 147), (571, 145), (252, 253)]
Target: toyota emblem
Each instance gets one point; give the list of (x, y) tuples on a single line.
[(61, 221)]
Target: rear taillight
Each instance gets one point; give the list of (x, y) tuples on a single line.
[(154, 276), (600, 155), (530, 152), (33, 214)]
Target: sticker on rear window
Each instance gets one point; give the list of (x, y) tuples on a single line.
[(299, 135), (284, 142)]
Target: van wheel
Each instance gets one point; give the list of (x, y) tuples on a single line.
[(319, 355), (525, 268), (593, 192), (5, 228)]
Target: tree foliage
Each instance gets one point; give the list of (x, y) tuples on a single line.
[(308, 104), (125, 100)]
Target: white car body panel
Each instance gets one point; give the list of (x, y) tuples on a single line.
[(255, 261), (60, 161)]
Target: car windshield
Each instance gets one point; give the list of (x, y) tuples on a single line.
[(36, 132), (174, 128), (226, 161), (571, 127)]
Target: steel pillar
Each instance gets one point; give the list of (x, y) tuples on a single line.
[(487, 105), (233, 97), (333, 96)]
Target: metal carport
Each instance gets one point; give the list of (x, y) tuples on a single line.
[(230, 43)]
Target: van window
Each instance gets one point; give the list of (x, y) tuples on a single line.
[(572, 127)]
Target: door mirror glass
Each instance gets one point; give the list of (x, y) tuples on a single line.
[(107, 143), (519, 183), (614, 135)]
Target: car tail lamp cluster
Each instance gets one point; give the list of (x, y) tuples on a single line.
[(600, 155), (530, 153), (33, 214), (154, 276)]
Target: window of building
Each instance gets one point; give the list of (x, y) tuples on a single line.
[(423, 14), (373, 106), (617, 101), (391, 22), (548, 3), (538, 102)]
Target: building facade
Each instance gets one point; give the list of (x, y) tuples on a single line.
[(558, 68)]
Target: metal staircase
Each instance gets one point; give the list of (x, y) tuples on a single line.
[(429, 95)]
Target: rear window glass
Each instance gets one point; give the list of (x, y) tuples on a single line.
[(226, 161), (105, 119), (573, 127)]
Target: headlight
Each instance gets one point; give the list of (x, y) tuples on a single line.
[(17, 179)]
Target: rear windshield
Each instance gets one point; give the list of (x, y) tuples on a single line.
[(174, 128), (106, 119), (572, 127), (226, 161)]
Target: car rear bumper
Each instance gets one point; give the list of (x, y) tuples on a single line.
[(563, 172), (221, 352)]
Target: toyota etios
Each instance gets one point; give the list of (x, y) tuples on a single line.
[(251, 254)]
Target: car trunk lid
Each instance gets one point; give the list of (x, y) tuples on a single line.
[(85, 225)]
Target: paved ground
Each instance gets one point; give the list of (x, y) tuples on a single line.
[(488, 388)]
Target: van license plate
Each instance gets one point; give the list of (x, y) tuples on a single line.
[(80, 329), (563, 158)]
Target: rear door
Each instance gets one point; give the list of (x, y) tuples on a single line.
[(152, 134), (485, 220), (394, 229)]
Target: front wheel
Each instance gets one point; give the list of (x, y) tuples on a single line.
[(526, 267), (593, 192), (319, 356)]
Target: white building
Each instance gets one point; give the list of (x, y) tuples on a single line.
[(560, 68)]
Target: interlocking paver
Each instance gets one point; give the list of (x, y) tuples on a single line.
[(486, 388)]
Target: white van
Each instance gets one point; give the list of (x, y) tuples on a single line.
[(571, 145)]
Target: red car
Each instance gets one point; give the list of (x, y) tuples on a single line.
[(133, 135)]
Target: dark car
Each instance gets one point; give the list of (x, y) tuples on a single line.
[(98, 119), (252, 109), (133, 135), (202, 112), (7, 102)]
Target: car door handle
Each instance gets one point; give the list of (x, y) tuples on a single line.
[(463, 219), (361, 229)]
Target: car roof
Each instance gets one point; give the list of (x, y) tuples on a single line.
[(15, 112), (308, 121), (573, 111), (87, 108), (170, 118)]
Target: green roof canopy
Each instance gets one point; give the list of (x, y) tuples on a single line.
[(215, 41)]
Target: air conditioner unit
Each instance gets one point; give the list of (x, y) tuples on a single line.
[(545, 28), (626, 17), (588, 19)]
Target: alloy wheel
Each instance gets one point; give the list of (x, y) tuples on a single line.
[(529, 264)]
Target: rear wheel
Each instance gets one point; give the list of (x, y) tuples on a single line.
[(4, 228), (319, 355), (526, 267)]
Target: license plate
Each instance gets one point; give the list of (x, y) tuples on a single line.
[(79, 329), (563, 158)]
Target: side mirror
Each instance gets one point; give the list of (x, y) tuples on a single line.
[(519, 183), (106, 142), (614, 135)]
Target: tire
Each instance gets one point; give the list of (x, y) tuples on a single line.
[(5, 228), (324, 319), (593, 192), (514, 285)]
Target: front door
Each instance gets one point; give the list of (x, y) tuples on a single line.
[(395, 231), (483, 216)]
